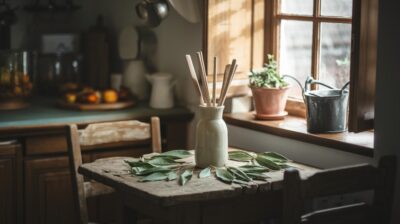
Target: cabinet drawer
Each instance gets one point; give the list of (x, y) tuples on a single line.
[(43, 144)]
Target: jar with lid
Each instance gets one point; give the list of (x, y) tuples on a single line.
[(17, 71)]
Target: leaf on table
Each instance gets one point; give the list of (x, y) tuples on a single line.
[(172, 175), (162, 161), (241, 182), (258, 176), (238, 174), (151, 170), (240, 156), (276, 157), (224, 175), (136, 163), (175, 154), (185, 176), (206, 172), (154, 177), (253, 169), (265, 161)]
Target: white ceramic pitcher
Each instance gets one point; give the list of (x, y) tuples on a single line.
[(162, 96)]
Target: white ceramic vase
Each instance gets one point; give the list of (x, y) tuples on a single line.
[(211, 138)]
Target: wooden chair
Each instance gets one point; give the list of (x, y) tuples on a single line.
[(340, 181), (82, 189)]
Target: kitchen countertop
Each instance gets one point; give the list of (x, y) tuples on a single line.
[(43, 112)]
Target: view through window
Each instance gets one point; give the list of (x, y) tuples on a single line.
[(314, 38)]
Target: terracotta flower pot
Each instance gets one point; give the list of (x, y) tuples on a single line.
[(270, 102)]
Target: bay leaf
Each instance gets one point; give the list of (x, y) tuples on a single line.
[(253, 169), (275, 156), (154, 177), (137, 163), (258, 176), (172, 175), (176, 154), (153, 170), (185, 176), (241, 182), (238, 174), (162, 161), (206, 172), (265, 161), (240, 156), (224, 175)]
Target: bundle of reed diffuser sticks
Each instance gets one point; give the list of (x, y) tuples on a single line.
[(203, 90)]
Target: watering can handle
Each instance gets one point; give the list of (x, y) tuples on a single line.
[(344, 87), (298, 82)]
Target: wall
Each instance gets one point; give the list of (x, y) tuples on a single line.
[(307, 153), (387, 109), (176, 36)]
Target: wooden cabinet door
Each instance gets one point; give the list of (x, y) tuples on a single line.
[(48, 192), (10, 195), (8, 205)]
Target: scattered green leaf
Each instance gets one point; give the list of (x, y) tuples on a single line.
[(137, 163), (265, 161), (258, 176), (185, 176), (253, 169), (162, 161), (238, 174), (151, 170), (275, 156), (241, 182), (224, 175), (240, 156), (154, 177), (172, 175), (176, 154), (206, 172)]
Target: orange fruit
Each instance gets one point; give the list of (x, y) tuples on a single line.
[(110, 96)]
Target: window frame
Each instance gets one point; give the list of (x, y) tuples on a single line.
[(273, 18)]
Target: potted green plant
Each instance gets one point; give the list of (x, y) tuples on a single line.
[(270, 91)]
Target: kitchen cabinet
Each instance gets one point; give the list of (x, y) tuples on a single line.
[(35, 179), (10, 184)]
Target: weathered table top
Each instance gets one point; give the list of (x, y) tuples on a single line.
[(115, 173)]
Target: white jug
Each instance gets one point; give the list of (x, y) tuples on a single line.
[(162, 96)]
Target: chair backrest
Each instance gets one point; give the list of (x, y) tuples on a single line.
[(75, 160), (341, 181)]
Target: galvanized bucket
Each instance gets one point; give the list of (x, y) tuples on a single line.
[(326, 108)]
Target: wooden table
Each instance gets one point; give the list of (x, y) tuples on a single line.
[(205, 200)]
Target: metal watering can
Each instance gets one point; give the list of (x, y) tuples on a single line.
[(326, 108)]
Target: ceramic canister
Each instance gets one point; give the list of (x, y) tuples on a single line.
[(211, 138)]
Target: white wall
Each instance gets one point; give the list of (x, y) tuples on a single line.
[(176, 36), (307, 153), (387, 109)]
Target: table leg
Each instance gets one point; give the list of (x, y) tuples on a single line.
[(129, 216)]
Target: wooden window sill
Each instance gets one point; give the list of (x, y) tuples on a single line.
[(296, 128)]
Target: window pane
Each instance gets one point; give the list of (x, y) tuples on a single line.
[(299, 7), (337, 8), (295, 52), (335, 49)]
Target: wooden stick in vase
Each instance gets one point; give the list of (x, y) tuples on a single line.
[(203, 76), (194, 78), (214, 97), (229, 83), (224, 81)]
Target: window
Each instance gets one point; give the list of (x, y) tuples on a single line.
[(332, 40), (311, 37)]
